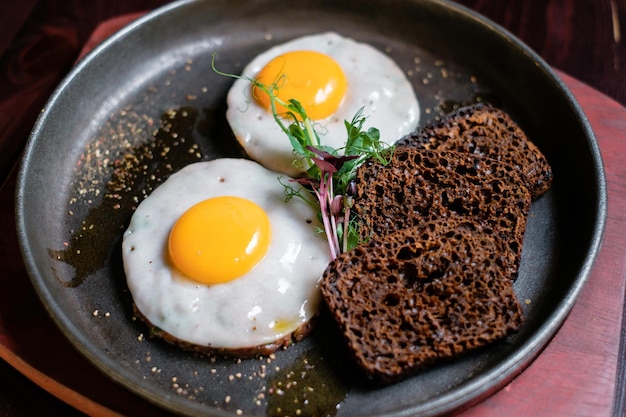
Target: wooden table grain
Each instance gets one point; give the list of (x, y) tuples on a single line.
[(41, 40)]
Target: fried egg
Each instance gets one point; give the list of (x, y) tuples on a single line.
[(333, 77), (216, 257)]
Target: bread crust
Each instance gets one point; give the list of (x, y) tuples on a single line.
[(484, 130)]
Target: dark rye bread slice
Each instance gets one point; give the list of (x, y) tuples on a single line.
[(421, 295), (420, 185), (482, 129)]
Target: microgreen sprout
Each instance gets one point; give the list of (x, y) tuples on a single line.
[(330, 172)]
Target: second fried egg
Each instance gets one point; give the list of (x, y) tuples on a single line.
[(333, 77)]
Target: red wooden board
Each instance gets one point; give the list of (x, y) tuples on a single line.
[(574, 376)]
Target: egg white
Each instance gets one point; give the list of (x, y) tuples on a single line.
[(375, 83), (277, 296)]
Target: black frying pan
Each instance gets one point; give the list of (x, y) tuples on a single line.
[(154, 78)]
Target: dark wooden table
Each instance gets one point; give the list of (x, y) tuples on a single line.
[(41, 40)]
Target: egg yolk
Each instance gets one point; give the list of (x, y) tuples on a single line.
[(219, 239), (312, 78)]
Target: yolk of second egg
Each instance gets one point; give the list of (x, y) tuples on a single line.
[(314, 79), (219, 239)]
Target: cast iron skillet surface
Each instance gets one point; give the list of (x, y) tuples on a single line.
[(100, 145)]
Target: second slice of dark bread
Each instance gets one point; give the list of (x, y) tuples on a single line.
[(483, 129), (420, 185), (421, 295)]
